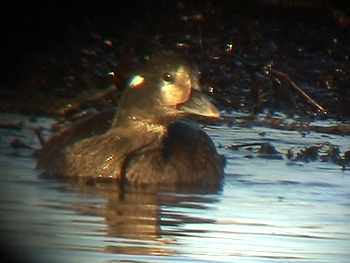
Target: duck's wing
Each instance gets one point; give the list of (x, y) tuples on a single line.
[(101, 156), (95, 125)]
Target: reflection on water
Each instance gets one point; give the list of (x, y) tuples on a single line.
[(136, 216), (266, 211)]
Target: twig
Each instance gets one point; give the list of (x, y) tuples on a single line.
[(37, 132), (295, 86)]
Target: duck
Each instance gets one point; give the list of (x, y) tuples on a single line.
[(148, 140)]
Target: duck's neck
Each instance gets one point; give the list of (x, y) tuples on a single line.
[(143, 120), (141, 125)]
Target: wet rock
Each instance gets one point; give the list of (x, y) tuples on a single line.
[(268, 151)]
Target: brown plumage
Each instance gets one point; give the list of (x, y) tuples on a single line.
[(148, 142)]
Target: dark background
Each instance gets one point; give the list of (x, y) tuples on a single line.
[(40, 38)]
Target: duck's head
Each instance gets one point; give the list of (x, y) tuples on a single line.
[(164, 89)]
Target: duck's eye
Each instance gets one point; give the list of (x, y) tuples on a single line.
[(167, 77)]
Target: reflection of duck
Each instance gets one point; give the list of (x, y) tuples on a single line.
[(141, 220), (146, 143)]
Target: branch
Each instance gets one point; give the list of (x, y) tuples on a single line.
[(295, 86)]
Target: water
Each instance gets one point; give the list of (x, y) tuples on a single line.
[(266, 211)]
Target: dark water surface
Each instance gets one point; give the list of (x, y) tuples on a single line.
[(267, 210)]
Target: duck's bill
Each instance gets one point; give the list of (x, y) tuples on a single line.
[(199, 104)]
